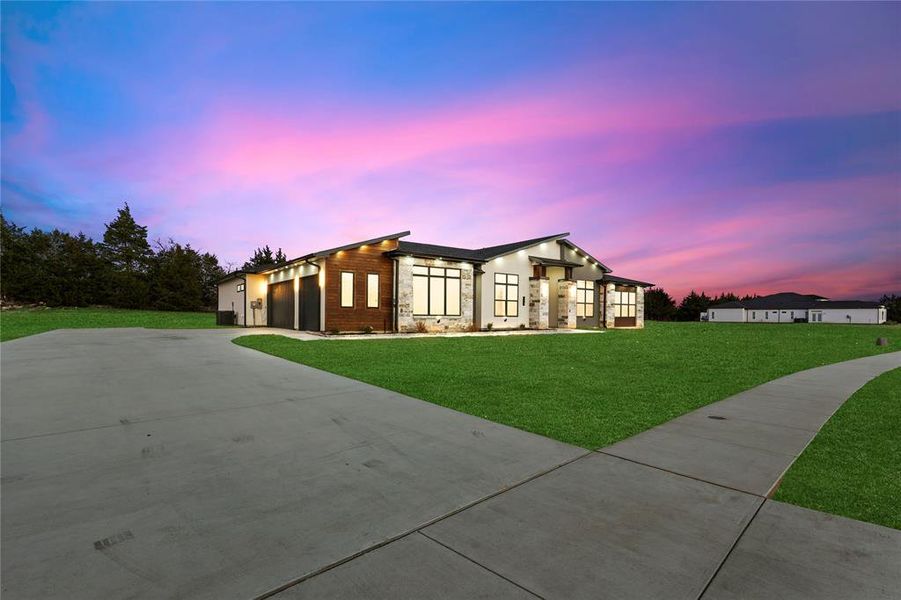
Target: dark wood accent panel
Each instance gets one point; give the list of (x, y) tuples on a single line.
[(280, 304), (624, 321), (359, 261), (308, 316)]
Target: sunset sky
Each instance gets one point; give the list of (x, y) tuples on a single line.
[(744, 147)]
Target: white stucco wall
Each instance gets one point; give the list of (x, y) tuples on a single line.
[(257, 288), (726, 315), (865, 316), (518, 263), (231, 299), (295, 272)]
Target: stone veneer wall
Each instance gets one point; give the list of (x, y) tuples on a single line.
[(566, 304), (608, 306), (639, 307), (539, 304), (405, 319)]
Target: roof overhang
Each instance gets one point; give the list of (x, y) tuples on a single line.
[(582, 252), (554, 262), (607, 278), (325, 253)]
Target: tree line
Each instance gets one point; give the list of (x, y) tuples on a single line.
[(123, 270), (660, 306)]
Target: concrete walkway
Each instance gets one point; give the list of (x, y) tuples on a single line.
[(146, 464), (676, 512), (307, 336)]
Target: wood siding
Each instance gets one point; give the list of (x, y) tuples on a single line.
[(360, 261)]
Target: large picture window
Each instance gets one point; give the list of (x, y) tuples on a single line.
[(584, 298), (436, 291), (506, 295), (372, 290), (347, 289), (624, 304)]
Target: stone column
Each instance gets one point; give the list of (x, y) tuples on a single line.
[(538, 302), (639, 307), (608, 305), (566, 304)]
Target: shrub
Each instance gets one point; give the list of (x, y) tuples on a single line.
[(421, 327), (489, 326), (367, 329)]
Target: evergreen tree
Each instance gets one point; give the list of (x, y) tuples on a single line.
[(16, 261), (892, 305), (263, 257), (176, 278), (658, 305), (128, 254), (692, 306)]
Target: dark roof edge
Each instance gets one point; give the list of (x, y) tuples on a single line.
[(516, 246), (444, 256), (324, 253), (625, 280), (587, 255), (233, 275)]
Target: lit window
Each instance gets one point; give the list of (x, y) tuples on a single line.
[(624, 304), (347, 289), (506, 292), (436, 291), (372, 290), (240, 287), (584, 298)]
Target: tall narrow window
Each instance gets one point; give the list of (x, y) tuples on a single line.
[(347, 289), (372, 290), (506, 293), (436, 291), (584, 298)]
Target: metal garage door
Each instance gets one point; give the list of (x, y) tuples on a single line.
[(309, 303), (281, 304)]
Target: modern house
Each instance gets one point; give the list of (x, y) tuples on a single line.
[(389, 284), (789, 307)]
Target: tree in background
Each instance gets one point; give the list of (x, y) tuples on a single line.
[(658, 305), (127, 251), (263, 257), (692, 306), (61, 269), (725, 297), (892, 305)]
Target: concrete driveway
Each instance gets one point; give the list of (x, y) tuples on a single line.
[(174, 464), (148, 464)]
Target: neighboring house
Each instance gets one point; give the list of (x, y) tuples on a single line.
[(393, 285), (788, 307)]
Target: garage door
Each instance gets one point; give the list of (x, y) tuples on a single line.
[(309, 303), (281, 305)]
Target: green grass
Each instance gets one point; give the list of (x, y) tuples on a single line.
[(853, 466), (589, 389), (29, 321)]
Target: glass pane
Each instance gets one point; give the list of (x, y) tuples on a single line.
[(420, 295), (436, 296), (631, 310), (453, 296), (498, 308), (512, 308), (453, 272), (436, 271), (372, 290), (420, 270), (500, 292), (347, 289), (500, 278), (513, 279), (589, 310), (580, 310)]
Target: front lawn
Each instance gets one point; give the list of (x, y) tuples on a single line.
[(853, 466), (589, 389), (29, 321)]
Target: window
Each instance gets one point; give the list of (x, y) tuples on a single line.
[(347, 289), (506, 294), (624, 304), (436, 291), (753, 314), (240, 287), (584, 298), (712, 315), (372, 290)]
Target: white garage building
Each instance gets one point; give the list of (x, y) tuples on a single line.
[(789, 307)]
